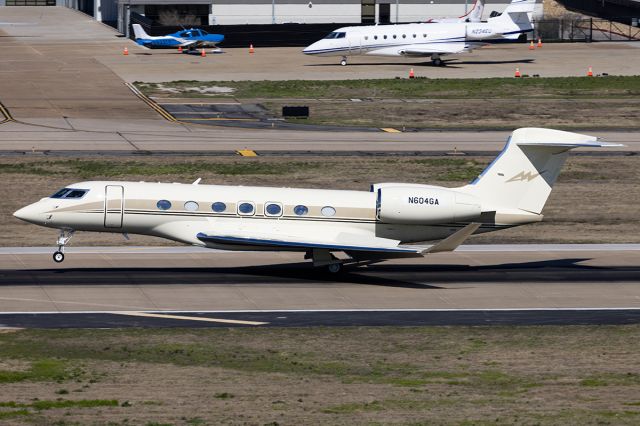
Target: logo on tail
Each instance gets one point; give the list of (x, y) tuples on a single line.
[(524, 176)]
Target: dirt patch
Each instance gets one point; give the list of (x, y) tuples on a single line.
[(589, 204)]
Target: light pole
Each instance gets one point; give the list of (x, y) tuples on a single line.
[(273, 11)]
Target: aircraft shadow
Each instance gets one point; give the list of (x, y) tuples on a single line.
[(417, 276)]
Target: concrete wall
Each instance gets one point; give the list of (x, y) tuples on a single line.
[(229, 12)]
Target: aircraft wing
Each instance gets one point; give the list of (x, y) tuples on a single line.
[(357, 245), (341, 242), (428, 49)]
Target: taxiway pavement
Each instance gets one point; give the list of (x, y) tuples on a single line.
[(535, 284)]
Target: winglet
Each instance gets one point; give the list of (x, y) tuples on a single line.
[(454, 240)]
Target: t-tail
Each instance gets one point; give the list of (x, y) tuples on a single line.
[(517, 184), (475, 14), (515, 20)]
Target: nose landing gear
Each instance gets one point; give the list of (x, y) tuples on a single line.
[(63, 239), (343, 62)]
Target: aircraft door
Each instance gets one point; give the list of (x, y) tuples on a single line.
[(113, 206)]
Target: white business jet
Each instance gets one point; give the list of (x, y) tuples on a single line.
[(426, 39), (331, 227)]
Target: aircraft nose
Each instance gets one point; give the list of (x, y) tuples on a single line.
[(30, 213)]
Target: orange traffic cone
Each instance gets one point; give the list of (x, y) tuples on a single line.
[(203, 53), (590, 72), (179, 49), (411, 73), (251, 49), (531, 46), (539, 42), (125, 52), (517, 75)]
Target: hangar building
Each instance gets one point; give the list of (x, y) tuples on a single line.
[(238, 12)]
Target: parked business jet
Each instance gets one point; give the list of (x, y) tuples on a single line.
[(332, 227), (191, 38), (474, 15), (426, 39)]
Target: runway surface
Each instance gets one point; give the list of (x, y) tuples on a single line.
[(168, 287), (342, 318)]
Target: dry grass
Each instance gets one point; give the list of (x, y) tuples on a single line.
[(441, 375), (592, 202), (474, 113)]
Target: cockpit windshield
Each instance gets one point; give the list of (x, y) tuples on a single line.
[(336, 34), (70, 193)]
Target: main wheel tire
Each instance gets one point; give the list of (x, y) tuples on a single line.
[(438, 62), (334, 268), (58, 257)]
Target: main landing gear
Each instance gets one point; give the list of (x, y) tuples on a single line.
[(325, 259), (436, 60), (343, 62), (63, 239)]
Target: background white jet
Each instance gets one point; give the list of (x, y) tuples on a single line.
[(432, 40)]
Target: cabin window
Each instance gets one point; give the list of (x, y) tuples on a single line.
[(404, 36), (424, 35), (60, 193), (218, 207), (70, 193), (366, 37), (375, 37), (394, 36), (164, 204), (192, 206), (335, 34), (384, 37), (328, 211), (301, 210), (75, 193), (246, 208), (273, 209), (414, 36)]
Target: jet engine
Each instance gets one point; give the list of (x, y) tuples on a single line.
[(424, 205), (480, 32)]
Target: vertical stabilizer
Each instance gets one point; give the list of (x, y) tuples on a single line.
[(522, 176), (139, 32)]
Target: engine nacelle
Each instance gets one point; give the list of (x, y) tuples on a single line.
[(480, 32), (424, 205)]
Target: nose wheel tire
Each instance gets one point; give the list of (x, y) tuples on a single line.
[(343, 62), (58, 257)]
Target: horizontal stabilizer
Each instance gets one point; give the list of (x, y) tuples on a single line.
[(454, 240)]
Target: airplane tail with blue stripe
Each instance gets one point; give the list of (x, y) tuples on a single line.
[(139, 32)]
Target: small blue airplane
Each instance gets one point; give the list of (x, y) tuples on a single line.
[(191, 38)]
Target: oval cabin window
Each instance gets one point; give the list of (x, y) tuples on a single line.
[(246, 208), (273, 209), (191, 206), (218, 207), (301, 210), (328, 211), (164, 204)]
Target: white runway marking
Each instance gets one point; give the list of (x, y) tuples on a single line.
[(181, 317)]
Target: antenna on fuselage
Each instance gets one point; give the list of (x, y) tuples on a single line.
[(197, 181)]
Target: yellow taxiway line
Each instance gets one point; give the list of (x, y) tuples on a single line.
[(181, 317)]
